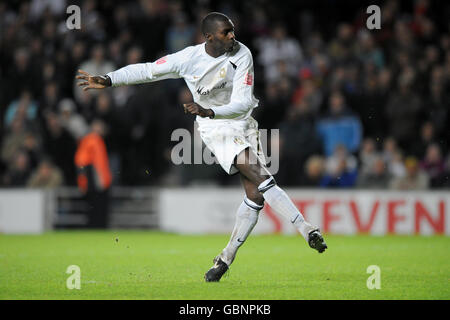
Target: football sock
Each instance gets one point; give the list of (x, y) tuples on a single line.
[(282, 204), (246, 218)]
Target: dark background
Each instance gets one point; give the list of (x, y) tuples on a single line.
[(384, 93)]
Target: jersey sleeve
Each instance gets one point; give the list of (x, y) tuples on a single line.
[(242, 99), (167, 67)]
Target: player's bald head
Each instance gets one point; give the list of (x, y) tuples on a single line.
[(209, 23)]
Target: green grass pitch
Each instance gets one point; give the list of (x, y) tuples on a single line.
[(155, 265)]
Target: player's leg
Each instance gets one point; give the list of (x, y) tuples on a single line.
[(278, 199), (246, 219)]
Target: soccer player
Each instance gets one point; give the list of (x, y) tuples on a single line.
[(219, 74)]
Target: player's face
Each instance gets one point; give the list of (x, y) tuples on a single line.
[(224, 39)]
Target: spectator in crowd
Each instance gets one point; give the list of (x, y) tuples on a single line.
[(150, 21), (402, 111), (70, 120), (50, 99), (48, 71), (369, 103), (278, 51), (121, 20), (390, 147), (180, 35), (309, 92), (339, 126), (314, 171), (316, 62), (115, 49), (342, 48), (45, 176), (298, 140), (19, 170), (39, 7), (367, 156), (445, 181), (396, 166), (114, 133), (276, 100), (437, 103), (22, 74), (367, 51), (275, 106), (92, 20), (375, 178), (415, 178), (259, 24), (50, 40), (433, 164), (14, 140), (94, 175), (59, 146), (393, 158), (77, 55), (24, 107), (426, 138), (385, 79), (341, 169), (446, 66), (32, 146), (402, 42)]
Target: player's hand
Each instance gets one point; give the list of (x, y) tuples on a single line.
[(198, 110), (91, 82)]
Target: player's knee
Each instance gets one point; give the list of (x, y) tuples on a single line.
[(256, 203), (254, 196), (266, 185), (257, 198)]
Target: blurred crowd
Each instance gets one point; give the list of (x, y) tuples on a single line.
[(355, 107)]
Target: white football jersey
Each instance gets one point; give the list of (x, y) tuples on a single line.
[(223, 84)]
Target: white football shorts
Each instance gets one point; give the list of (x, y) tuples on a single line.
[(227, 138)]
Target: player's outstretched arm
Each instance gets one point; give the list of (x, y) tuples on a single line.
[(92, 82)]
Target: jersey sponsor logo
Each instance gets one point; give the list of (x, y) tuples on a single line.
[(161, 60), (248, 80), (234, 66), (203, 92)]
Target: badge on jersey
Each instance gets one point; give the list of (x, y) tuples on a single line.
[(248, 80), (161, 60), (222, 73), (238, 140)]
